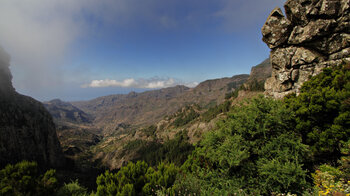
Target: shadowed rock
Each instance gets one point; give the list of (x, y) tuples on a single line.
[(5, 74), (27, 131)]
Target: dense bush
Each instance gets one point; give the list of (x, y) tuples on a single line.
[(171, 151), (24, 178), (322, 112), (136, 179), (254, 149), (72, 189), (214, 111), (185, 117), (262, 147)]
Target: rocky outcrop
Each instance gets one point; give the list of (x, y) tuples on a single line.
[(314, 34), (27, 131)]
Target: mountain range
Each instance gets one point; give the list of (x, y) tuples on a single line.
[(101, 128)]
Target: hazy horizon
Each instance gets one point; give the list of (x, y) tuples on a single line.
[(79, 50)]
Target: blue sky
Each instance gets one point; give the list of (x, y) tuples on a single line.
[(78, 50)]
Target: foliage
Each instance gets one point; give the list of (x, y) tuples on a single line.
[(171, 151), (149, 131), (214, 111), (136, 179), (334, 180), (72, 189), (24, 178), (133, 145), (162, 178), (322, 112), (329, 183), (253, 150), (185, 117)]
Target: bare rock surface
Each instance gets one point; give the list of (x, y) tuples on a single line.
[(315, 34)]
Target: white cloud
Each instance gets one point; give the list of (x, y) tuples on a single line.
[(153, 83), (40, 34)]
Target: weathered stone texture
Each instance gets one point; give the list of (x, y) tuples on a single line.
[(314, 34)]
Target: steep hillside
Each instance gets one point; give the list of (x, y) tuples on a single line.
[(182, 128), (260, 72), (126, 127), (64, 112), (140, 109), (27, 130), (258, 75), (75, 131)]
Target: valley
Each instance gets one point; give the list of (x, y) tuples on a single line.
[(283, 129), (110, 131)]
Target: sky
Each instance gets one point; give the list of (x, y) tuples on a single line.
[(82, 49)]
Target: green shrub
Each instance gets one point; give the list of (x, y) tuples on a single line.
[(254, 149), (322, 112), (136, 179), (171, 151), (24, 178), (72, 189), (214, 111), (185, 118)]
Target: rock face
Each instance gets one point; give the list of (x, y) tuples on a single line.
[(314, 34), (5, 74), (27, 131)]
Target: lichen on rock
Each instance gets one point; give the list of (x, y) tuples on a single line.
[(314, 34)]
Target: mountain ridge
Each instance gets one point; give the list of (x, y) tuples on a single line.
[(151, 106)]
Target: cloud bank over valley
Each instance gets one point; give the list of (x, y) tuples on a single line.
[(153, 83)]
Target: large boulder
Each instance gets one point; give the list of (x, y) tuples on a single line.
[(276, 29), (311, 31), (315, 34)]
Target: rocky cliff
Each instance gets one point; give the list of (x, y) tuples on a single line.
[(258, 76), (314, 34), (27, 131)]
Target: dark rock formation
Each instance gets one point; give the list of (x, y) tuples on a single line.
[(314, 34), (5, 74), (27, 131)]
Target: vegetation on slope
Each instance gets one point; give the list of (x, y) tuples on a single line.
[(24, 178), (262, 147)]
